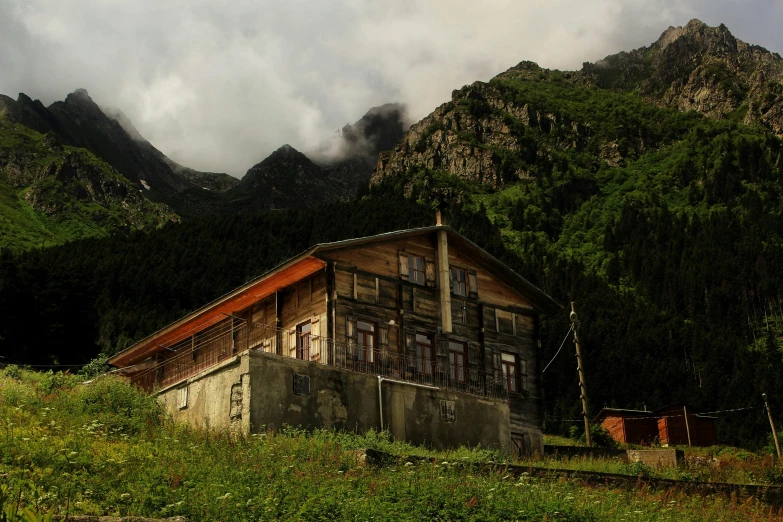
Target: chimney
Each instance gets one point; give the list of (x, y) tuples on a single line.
[(438, 219)]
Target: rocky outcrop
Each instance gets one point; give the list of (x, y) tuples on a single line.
[(704, 69), (473, 135)]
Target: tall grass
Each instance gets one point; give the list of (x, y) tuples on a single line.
[(107, 449)]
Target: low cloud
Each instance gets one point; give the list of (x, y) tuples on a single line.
[(218, 86)]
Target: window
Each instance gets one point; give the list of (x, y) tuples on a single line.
[(365, 338), (459, 281), (182, 401), (457, 361), (303, 340), (514, 373), (425, 360), (416, 270)]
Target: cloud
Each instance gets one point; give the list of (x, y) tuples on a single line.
[(217, 86)]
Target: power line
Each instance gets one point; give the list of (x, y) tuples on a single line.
[(561, 347)]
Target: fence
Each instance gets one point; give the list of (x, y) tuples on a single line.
[(195, 352)]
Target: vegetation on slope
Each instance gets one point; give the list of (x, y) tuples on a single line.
[(52, 193), (106, 448)]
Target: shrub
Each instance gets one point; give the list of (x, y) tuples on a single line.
[(119, 407)]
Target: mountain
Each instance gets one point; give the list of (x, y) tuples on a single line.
[(333, 172), (52, 193), (286, 179), (153, 189), (701, 68), (353, 152)]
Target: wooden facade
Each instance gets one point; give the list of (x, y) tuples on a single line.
[(386, 304)]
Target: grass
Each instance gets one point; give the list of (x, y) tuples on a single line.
[(106, 448)]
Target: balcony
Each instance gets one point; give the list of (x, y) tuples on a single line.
[(197, 352)]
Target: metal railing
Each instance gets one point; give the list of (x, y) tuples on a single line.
[(200, 351)]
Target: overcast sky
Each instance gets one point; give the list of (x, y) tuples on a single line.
[(218, 85)]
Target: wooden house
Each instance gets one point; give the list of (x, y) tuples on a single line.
[(419, 332), (666, 426)]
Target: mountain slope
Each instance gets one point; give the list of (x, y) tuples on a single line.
[(701, 68), (51, 193)]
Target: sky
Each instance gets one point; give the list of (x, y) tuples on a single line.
[(218, 85)]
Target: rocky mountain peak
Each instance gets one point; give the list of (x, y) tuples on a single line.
[(79, 96)]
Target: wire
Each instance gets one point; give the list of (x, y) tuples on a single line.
[(561, 347)]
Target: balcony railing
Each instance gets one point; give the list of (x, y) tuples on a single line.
[(197, 352)]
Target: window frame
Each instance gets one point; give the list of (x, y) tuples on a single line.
[(304, 340), (456, 283), (457, 360), (510, 372), (362, 333), (414, 273), (424, 365)]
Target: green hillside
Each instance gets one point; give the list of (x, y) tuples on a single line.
[(52, 193)]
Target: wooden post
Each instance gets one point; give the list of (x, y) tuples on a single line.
[(582, 385), (687, 426), (771, 424), (443, 281)]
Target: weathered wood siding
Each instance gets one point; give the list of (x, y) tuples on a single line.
[(368, 286)]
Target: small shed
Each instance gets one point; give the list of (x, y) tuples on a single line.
[(629, 426), (672, 428), (666, 425)]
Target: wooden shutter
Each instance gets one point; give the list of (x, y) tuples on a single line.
[(497, 365), (472, 284), (403, 266), (315, 337), (383, 335), (410, 348), (430, 268), (292, 342), (474, 353), (350, 334)]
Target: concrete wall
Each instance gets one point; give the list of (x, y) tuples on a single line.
[(255, 391), (344, 400), (216, 398)]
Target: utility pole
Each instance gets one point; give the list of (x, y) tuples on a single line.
[(687, 426), (580, 369), (771, 424)]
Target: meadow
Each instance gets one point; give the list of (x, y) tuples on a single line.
[(104, 448)]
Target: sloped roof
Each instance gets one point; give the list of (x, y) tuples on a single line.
[(306, 264)]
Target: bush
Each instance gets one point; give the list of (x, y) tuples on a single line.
[(598, 435), (119, 407)]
